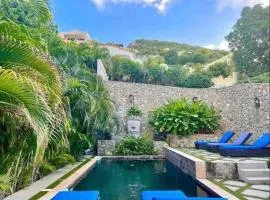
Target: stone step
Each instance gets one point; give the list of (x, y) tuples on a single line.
[(252, 164), (257, 180), (253, 173)]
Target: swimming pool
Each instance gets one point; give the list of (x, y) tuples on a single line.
[(126, 179)]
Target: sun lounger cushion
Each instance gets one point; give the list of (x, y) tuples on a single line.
[(223, 139), (77, 195), (174, 195), (243, 137)]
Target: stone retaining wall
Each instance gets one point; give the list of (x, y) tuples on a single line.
[(188, 164), (236, 103)]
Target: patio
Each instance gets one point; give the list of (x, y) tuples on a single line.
[(218, 166)]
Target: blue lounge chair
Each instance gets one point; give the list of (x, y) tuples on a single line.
[(260, 148), (77, 195), (171, 195), (243, 137), (223, 139)]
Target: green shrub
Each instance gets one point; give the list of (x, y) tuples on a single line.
[(197, 80), (220, 69), (134, 112), (46, 168), (182, 117), (62, 160), (131, 145)]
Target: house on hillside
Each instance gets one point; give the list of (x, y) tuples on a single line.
[(75, 35)]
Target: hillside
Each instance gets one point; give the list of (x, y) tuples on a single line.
[(176, 53)]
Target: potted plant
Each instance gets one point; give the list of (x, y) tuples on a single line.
[(134, 121)]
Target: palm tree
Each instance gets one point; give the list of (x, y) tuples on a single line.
[(31, 99)]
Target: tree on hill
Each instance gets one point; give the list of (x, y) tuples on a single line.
[(249, 41)]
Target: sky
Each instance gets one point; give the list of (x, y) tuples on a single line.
[(196, 22)]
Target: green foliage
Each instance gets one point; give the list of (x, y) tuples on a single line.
[(182, 117), (262, 78), (176, 53), (135, 146), (220, 69), (62, 160), (50, 101), (134, 112), (123, 69), (46, 168), (249, 41), (198, 80)]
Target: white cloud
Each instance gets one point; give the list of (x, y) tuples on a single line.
[(223, 45), (160, 5), (222, 4)]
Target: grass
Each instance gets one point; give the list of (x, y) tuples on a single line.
[(58, 181), (237, 193), (38, 195), (55, 183), (196, 155)]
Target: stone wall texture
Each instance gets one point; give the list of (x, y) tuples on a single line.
[(190, 165), (236, 103)]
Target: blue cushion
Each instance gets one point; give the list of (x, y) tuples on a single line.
[(223, 139), (263, 141), (187, 198), (167, 198), (77, 195), (243, 137), (226, 137), (260, 143), (149, 195)]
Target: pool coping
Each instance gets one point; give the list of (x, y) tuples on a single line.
[(72, 179), (141, 157), (199, 165)]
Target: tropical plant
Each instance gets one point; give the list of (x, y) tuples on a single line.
[(134, 112), (37, 122), (61, 160), (181, 117), (131, 145)]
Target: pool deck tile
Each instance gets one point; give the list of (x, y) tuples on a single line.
[(215, 188), (232, 188), (261, 187), (256, 193), (235, 183), (251, 198)]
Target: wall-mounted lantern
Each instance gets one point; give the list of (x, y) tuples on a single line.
[(257, 102), (131, 99), (194, 99)]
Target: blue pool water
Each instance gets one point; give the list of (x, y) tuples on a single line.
[(126, 179)]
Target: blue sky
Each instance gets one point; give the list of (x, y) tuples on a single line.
[(198, 22)]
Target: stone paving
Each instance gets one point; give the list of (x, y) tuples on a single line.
[(244, 190), (209, 156)]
